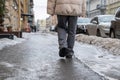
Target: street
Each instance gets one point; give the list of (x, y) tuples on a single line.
[(37, 59), (29, 48)]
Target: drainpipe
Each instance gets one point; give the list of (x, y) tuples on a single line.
[(88, 8), (19, 16), (103, 7)]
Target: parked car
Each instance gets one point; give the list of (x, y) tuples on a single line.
[(115, 25), (100, 25), (81, 25)]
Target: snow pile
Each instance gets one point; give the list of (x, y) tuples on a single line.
[(26, 35), (112, 45), (8, 42), (101, 62)]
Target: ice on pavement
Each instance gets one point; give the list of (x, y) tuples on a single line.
[(4, 42), (101, 62), (6, 64), (98, 59), (99, 56)]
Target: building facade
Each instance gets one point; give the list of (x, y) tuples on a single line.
[(95, 7), (17, 14), (42, 24), (98, 7), (31, 19), (11, 15), (111, 6), (51, 21)]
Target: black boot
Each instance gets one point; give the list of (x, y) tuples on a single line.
[(63, 52), (69, 54)]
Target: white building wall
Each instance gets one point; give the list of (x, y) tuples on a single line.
[(93, 4), (94, 7)]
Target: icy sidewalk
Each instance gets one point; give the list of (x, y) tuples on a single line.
[(100, 61), (5, 42), (92, 51), (101, 54), (97, 53)]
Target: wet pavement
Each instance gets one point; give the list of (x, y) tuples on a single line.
[(37, 59)]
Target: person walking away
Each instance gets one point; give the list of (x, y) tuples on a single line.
[(67, 12)]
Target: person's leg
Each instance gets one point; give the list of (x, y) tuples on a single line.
[(72, 22), (61, 29), (62, 34)]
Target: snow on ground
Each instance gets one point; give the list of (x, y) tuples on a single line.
[(5, 42), (98, 59), (90, 50), (109, 44), (100, 54), (101, 62)]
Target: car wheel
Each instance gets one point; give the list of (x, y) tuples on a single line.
[(98, 33), (112, 34), (87, 32), (77, 31)]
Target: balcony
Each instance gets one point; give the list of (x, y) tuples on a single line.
[(101, 7)]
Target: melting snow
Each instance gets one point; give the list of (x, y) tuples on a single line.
[(101, 61), (4, 42), (103, 56)]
